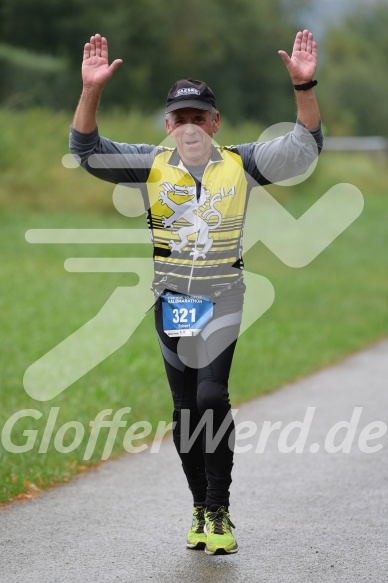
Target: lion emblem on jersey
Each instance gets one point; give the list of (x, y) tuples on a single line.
[(201, 219)]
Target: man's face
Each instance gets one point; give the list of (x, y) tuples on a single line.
[(192, 131)]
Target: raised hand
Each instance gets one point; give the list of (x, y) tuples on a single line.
[(95, 66), (303, 61)]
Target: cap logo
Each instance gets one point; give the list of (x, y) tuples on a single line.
[(187, 91)]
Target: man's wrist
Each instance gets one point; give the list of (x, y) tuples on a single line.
[(91, 90)]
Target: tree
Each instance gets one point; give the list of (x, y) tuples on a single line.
[(231, 44), (355, 85)]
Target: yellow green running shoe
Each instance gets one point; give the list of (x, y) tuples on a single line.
[(218, 527), (196, 537)]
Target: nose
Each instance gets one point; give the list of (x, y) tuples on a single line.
[(190, 129)]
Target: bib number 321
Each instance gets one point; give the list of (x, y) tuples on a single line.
[(185, 315)]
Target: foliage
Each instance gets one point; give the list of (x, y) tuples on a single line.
[(232, 44), (355, 85)]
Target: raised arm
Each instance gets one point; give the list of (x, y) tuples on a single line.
[(302, 66), (96, 71)]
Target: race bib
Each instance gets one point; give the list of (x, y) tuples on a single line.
[(185, 315)]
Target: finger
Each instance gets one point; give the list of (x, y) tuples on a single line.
[(309, 45), (86, 54), (104, 48), (285, 57), (303, 44), (92, 46), (314, 50), (98, 45), (298, 41), (115, 65)]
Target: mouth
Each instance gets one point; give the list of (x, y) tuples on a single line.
[(191, 142)]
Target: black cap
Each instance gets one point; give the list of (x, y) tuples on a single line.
[(190, 93)]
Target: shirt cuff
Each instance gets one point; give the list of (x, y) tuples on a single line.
[(81, 138)]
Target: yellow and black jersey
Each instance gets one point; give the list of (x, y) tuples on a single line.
[(196, 226)]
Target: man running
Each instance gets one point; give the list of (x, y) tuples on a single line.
[(195, 197)]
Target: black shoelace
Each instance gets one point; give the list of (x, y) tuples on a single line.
[(217, 518), (199, 514)]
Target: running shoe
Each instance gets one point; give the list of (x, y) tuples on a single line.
[(218, 527), (196, 537)]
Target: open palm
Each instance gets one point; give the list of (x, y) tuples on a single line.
[(303, 62), (95, 65)]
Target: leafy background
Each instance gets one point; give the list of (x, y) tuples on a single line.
[(232, 44)]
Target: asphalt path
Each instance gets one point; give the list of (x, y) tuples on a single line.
[(316, 516)]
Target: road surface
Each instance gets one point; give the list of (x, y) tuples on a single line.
[(316, 516)]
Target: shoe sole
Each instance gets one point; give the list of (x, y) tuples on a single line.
[(198, 547), (221, 551)]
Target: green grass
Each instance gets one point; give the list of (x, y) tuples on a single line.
[(333, 307)]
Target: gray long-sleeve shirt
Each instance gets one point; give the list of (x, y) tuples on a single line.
[(197, 216), (265, 162)]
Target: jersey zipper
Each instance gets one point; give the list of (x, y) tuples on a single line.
[(199, 186)]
